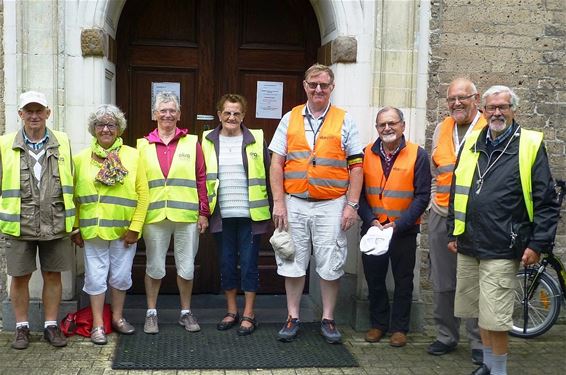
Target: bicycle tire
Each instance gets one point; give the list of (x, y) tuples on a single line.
[(544, 305)]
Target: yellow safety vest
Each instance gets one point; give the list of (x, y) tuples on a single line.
[(529, 144), (105, 211), (175, 197), (257, 187), (10, 201)]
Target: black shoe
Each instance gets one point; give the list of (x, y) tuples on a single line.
[(482, 370), (477, 356), (225, 325), (440, 348), (21, 339), (54, 336)]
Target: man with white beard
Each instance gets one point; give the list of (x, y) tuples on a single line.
[(502, 212)]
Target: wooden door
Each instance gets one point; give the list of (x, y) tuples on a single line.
[(211, 47)]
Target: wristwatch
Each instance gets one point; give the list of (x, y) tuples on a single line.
[(354, 205)]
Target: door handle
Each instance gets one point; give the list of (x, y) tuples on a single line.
[(205, 117)]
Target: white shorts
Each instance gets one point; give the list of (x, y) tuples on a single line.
[(157, 237), (107, 261), (315, 225)]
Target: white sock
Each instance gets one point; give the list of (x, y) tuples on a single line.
[(499, 364), (22, 324), (151, 312), (487, 357), (50, 323), (183, 312)]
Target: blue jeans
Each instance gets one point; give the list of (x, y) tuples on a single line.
[(236, 240)]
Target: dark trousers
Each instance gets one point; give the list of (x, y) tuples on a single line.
[(401, 252)]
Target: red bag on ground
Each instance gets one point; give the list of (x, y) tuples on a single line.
[(80, 323)]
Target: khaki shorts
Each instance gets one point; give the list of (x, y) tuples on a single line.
[(485, 289), (315, 225), (54, 256)]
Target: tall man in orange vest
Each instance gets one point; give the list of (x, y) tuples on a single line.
[(316, 177), (395, 194), (463, 101)]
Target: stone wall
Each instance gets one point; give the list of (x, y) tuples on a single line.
[(517, 43)]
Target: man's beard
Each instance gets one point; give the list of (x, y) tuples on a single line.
[(498, 126)]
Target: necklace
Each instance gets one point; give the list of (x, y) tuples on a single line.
[(479, 181)]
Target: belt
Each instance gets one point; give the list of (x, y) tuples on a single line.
[(308, 199)]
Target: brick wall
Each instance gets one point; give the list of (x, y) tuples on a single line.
[(517, 43)]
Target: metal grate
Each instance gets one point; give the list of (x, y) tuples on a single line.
[(175, 348)]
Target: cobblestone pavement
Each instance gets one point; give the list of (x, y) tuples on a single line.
[(543, 355)]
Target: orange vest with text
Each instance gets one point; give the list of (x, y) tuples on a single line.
[(444, 157), (322, 173), (388, 198)]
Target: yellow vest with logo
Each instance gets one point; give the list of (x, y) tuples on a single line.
[(10, 200), (529, 144), (175, 197), (105, 211), (257, 187)]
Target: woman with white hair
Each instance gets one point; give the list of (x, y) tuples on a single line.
[(111, 195)]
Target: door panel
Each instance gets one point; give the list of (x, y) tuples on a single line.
[(211, 47)]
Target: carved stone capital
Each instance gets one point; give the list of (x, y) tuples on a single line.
[(93, 42)]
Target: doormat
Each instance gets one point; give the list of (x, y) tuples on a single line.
[(175, 348)]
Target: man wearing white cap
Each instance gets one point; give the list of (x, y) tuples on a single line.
[(36, 213)]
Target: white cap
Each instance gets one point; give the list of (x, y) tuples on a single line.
[(282, 244), (32, 97), (376, 241)]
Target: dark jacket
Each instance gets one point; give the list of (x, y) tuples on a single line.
[(421, 182), (499, 208), (215, 221)]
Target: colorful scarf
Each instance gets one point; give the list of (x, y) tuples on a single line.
[(112, 170)]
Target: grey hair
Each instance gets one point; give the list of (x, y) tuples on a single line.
[(103, 113), (387, 109), (468, 82), (500, 89), (166, 97)]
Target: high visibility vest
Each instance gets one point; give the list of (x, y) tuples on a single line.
[(322, 173), (444, 157), (105, 211), (10, 201), (257, 186), (389, 198), (175, 197), (529, 144)]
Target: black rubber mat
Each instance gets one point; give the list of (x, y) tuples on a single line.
[(174, 348)]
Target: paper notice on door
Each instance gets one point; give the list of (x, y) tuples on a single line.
[(269, 102), (157, 87)]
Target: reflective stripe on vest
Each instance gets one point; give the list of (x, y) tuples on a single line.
[(389, 198), (322, 173), (257, 184), (105, 211), (10, 200), (174, 198), (444, 157), (529, 144)]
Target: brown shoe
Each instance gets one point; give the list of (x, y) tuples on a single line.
[(54, 336), (21, 340), (123, 326), (398, 339), (374, 335)]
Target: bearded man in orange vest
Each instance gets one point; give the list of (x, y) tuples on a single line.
[(395, 193), (463, 99), (316, 177)]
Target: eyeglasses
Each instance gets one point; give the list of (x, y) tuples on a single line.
[(391, 124), (452, 99), (228, 114), (502, 108), (166, 111), (314, 85), (101, 126)]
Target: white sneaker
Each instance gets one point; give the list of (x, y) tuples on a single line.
[(150, 325), (189, 321)]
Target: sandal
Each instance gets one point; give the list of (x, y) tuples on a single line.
[(225, 325), (244, 331)]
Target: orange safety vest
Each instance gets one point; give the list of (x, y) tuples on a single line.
[(444, 157), (322, 174), (388, 198)]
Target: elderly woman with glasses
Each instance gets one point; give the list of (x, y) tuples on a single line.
[(237, 162), (111, 195)]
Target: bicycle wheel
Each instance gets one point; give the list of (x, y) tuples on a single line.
[(543, 309)]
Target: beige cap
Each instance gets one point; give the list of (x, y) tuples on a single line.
[(282, 244), (32, 97)]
